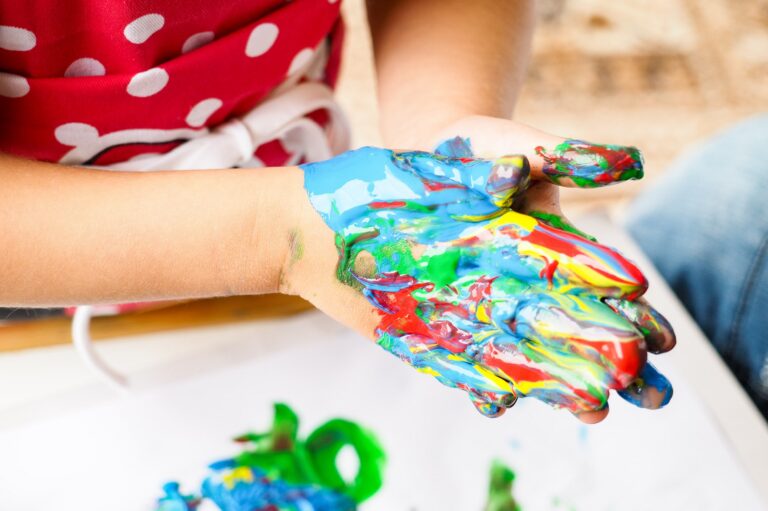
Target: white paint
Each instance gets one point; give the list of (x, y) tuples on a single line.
[(148, 83), (142, 28), (262, 38)]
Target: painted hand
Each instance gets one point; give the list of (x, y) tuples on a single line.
[(482, 297), (558, 162)]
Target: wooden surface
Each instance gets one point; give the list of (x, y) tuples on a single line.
[(52, 331)]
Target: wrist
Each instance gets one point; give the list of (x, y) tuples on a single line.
[(255, 249), (309, 252)]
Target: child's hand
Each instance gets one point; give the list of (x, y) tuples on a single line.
[(484, 298)]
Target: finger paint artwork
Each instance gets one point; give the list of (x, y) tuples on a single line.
[(486, 299), (500, 497), (279, 472)]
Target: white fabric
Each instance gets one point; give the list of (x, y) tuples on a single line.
[(281, 117), (232, 144)]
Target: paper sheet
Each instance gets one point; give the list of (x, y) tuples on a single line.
[(115, 455)]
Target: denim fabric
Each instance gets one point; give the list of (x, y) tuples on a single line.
[(705, 226)]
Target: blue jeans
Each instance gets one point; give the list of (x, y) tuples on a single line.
[(705, 226)]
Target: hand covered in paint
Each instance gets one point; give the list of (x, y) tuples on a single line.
[(484, 298), (559, 162)]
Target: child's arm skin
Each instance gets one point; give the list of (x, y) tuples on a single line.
[(438, 61), (77, 236), (72, 235)]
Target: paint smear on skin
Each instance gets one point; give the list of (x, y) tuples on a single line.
[(590, 165), (481, 297), (558, 222), (650, 390), (657, 331)]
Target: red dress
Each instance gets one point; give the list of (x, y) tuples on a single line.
[(110, 83), (100, 82)]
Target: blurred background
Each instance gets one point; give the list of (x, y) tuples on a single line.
[(657, 74)]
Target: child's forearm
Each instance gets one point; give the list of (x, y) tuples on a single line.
[(440, 60), (72, 236)]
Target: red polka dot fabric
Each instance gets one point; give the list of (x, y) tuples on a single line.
[(112, 80)]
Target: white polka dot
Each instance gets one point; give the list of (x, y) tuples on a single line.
[(13, 86), (141, 29), (76, 133), (261, 39), (195, 41), (332, 1), (301, 60), (144, 156), (16, 39), (148, 83), (85, 66), (200, 113)]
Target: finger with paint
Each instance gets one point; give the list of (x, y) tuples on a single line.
[(593, 165), (582, 164), (569, 162), (462, 283)]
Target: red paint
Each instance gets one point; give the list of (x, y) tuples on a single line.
[(434, 186), (548, 271), (387, 204)]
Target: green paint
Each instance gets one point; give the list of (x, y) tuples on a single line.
[(296, 246), (441, 268), (561, 223), (282, 455), (500, 488)]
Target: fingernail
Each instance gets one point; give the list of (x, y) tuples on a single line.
[(649, 386), (508, 176)]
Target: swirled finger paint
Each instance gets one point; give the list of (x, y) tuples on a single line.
[(590, 165), (279, 472), (483, 298)]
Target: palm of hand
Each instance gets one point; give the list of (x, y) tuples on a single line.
[(482, 297)]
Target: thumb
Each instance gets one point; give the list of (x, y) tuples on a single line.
[(583, 164), (500, 180)]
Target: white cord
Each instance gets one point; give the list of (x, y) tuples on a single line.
[(81, 338)]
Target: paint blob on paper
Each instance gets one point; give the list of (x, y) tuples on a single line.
[(486, 299), (500, 497), (278, 472)]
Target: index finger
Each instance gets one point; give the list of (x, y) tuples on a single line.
[(582, 164)]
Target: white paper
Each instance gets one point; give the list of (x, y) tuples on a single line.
[(115, 455)]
